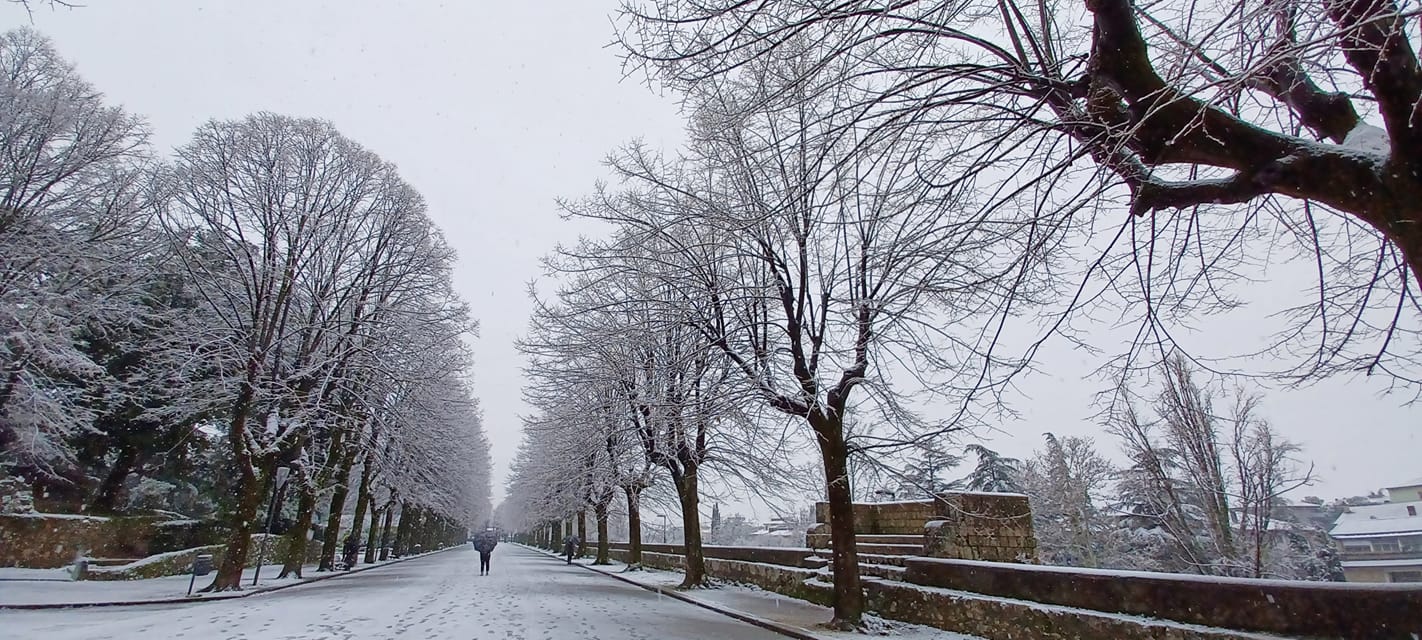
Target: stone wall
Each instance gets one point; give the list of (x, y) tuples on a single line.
[(1002, 619), (886, 518), (982, 526), (47, 540), (967, 525), (988, 617), (181, 562), (1319, 609)]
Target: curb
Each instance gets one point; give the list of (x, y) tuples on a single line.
[(219, 596), (770, 625)]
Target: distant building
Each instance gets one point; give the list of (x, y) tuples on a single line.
[(1410, 492), (1383, 542)]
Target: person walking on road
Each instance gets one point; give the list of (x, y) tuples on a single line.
[(349, 552), (570, 546), (484, 543)]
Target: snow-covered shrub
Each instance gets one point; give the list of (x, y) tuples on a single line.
[(15, 496), (150, 494)]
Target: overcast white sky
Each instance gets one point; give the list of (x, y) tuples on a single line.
[(494, 109)]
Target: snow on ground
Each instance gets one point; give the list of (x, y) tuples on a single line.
[(527, 596), (88, 591), (21, 573), (804, 616)]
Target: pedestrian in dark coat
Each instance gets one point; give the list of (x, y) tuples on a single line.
[(350, 551), (570, 546), (484, 543)]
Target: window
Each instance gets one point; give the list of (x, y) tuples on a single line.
[(1357, 547), (1385, 545), (1405, 576)]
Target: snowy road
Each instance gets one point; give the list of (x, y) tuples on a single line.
[(528, 596)]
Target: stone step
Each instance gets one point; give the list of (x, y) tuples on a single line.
[(895, 554), (885, 571), (876, 558), (883, 538), (872, 570), (891, 549)]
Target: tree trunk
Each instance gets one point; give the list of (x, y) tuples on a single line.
[(106, 497), (402, 530), (296, 538), (634, 526), (600, 513), (385, 540), (848, 595), (370, 536), (427, 522), (248, 489), (582, 532), (362, 501), (332, 538), (558, 535), (694, 563)]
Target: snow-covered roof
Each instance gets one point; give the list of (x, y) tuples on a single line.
[(1363, 564), (1410, 483), (1378, 519)]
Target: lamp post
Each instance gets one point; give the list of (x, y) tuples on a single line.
[(664, 528), (281, 474)]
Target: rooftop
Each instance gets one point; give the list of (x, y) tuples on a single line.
[(1379, 519)]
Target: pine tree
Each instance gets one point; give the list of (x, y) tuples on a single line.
[(995, 473)]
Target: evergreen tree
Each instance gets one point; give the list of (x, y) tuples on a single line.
[(995, 473)]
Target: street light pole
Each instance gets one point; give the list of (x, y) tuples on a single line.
[(281, 474), (664, 528)]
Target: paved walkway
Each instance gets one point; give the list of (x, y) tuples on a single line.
[(529, 596)]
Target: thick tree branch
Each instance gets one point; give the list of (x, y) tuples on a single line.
[(1153, 194), (1330, 115), (1375, 43)]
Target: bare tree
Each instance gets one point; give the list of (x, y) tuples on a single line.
[(1210, 481), (308, 250), (1236, 135), (655, 385), (805, 252)]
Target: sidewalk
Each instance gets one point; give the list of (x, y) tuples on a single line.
[(48, 588), (767, 609)]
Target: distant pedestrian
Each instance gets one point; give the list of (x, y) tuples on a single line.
[(484, 543), (349, 552), (570, 546)]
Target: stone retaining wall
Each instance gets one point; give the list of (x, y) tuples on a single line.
[(982, 526), (1003, 619), (887, 518), (47, 540), (1320, 609), (181, 562), (967, 525), (988, 617)]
